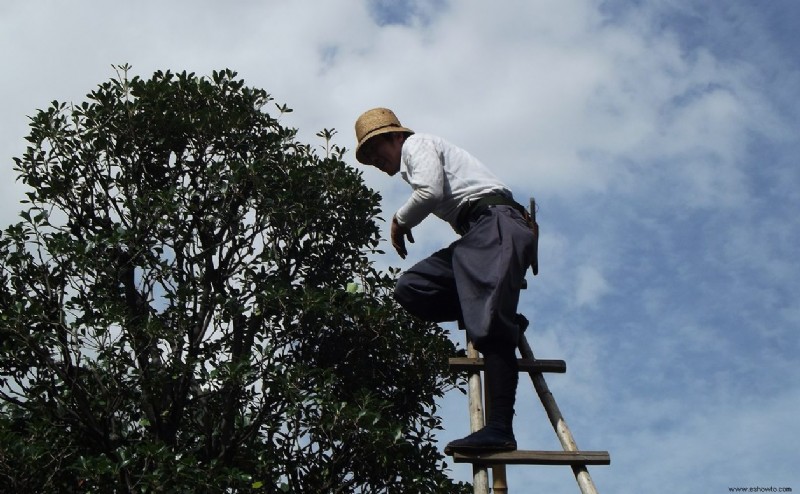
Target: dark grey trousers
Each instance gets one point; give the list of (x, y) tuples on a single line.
[(477, 280)]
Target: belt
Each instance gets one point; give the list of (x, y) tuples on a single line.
[(474, 209)]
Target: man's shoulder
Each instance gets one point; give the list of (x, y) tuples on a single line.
[(422, 140), (420, 143), (422, 136)]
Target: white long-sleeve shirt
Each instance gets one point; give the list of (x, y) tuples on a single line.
[(443, 178)]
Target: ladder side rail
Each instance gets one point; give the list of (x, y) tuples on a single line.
[(557, 419), (480, 475)]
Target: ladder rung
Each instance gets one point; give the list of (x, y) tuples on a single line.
[(536, 458), (525, 365)]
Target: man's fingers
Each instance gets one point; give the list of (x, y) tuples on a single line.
[(400, 247), (399, 234)]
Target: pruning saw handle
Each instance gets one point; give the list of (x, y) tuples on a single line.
[(535, 229)]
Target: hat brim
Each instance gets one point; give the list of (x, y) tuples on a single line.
[(376, 132)]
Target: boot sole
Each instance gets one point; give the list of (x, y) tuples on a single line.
[(480, 449)]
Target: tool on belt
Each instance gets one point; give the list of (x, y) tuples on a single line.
[(530, 217), (477, 207)]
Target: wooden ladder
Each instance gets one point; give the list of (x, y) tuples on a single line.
[(570, 455)]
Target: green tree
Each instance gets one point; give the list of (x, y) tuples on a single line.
[(177, 311)]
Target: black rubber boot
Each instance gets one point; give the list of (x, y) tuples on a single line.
[(490, 438), (501, 378)]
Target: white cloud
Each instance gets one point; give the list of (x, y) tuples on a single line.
[(591, 286)]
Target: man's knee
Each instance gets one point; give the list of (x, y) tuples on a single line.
[(413, 293), (403, 291)]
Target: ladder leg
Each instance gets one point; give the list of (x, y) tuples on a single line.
[(556, 419), (480, 476), (499, 482)]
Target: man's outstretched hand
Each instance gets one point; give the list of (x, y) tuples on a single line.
[(399, 234)]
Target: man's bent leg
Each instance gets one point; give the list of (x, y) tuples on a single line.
[(428, 289)]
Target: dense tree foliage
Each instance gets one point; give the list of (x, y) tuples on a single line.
[(187, 305)]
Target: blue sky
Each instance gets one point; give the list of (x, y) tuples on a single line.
[(660, 141)]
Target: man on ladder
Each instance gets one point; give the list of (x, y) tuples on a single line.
[(477, 279)]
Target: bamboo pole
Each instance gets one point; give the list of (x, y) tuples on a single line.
[(499, 481), (557, 420), (480, 476)]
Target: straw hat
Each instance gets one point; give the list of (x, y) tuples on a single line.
[(374, 122)]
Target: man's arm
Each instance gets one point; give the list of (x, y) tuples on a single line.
[(425, 174)]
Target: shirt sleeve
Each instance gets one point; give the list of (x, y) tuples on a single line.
[(424, 171)]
